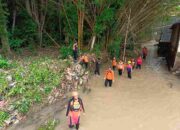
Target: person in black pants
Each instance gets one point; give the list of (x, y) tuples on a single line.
[(107, 81), (75, 107), (97, 66), (75, 51), (109, 77), (129, 70)]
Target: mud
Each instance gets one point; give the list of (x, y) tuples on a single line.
[(150, 101)]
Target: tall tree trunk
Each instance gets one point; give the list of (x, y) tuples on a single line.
[(5, 42), (14, 20), (93, 42), (3, 32), (40, 33), (80, 26), (59, 14), (38, 10)]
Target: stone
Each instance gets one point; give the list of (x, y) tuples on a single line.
[(9, 78), (16, 122), (12, 84)]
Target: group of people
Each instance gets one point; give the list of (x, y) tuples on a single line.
[(84, 59), (75, 104), (122, 66)]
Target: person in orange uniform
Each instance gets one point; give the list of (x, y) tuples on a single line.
[(120, 68), (114, 63), (84, 60), (75, 106), (109, 77)]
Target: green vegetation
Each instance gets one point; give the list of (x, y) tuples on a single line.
[(59, 23), (50, 125), (3, 117), (4, 64), (33, 81), (97, 26), (65, 51), (114, 48)]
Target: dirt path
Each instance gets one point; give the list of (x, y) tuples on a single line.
[(150, 101)]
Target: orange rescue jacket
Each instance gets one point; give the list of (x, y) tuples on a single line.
[(114, 62), (109, 74), (120, 66), (86, 60)]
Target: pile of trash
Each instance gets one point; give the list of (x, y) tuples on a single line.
[(14, 118), (75, 78)]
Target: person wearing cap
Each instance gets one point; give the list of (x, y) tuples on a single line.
[(129, 70), (114, 63), (109, 77), (75, 51), (75, 106), (120, 67)]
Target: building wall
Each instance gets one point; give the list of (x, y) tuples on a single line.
[(179, 47), (177, 58)]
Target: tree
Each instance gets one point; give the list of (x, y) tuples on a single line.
[(37, 9), (3, 31)]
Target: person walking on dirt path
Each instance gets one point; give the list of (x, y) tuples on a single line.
[(75, 106), (85, 60), (109, 77), (120, 67), (114, 63), (144, 52), (129, 70), (75, 51), (133, 63), (97, 66), (139, 62)]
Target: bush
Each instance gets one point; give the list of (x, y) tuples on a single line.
[(4, 64), (114, 48), (23, 106), (3, 117), (50, 125), (15, 43), (65, 51), (97, 50)]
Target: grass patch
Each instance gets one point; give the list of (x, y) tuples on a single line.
[(50, 125), (3, 117), (34, 79)]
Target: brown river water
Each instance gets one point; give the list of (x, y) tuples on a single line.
[(150, 101)]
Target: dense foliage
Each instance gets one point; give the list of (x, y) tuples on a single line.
[(59, 22)]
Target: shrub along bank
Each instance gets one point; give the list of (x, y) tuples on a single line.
[(26, 83)]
